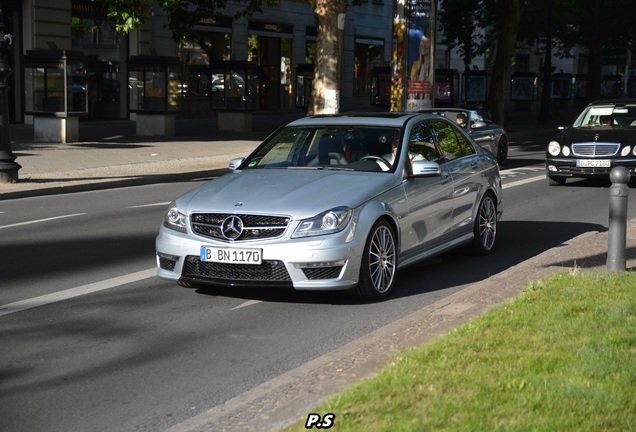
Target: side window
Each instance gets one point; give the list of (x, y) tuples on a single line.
[(464, 144), (447, 140), (453, 144), (422, 144)]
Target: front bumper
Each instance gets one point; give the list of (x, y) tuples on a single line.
[(316, 263), (567, 167)]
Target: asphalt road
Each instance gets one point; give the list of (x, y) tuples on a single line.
[(101, 344)]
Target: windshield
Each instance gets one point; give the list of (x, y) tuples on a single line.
[(359, 148), (607, 116)]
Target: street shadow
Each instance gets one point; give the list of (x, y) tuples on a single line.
[(516, 242), (520, 163), (64, 255)]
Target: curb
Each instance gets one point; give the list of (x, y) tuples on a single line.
[(110, 184)]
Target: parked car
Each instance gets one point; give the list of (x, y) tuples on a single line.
[(602, 136), (478, 123), (336, 202)]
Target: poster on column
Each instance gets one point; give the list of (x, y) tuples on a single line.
[(421, 65)]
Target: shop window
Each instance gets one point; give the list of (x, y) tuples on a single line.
[(196, 55)]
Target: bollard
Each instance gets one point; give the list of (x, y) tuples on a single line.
[(617, 236)]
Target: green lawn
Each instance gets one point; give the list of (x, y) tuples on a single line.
[(559, 357)]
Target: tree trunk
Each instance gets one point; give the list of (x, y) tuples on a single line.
[(594, 78), (329, 46), (500, 76)]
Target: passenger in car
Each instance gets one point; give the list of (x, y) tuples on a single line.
[(461, 119)]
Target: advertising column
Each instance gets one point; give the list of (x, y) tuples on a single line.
[(397, 56), (420, 41)]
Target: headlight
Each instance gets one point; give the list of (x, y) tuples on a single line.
[(626, 150), (634, 151), (329, 222), (174, 219), (566, 151), (554, 148)]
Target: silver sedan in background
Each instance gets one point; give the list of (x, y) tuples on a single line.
[(335, 203), (479, 125)]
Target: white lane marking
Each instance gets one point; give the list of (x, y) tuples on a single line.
[(151, 205), (76, 292), (41, 220), (522, 182), (247, 303)]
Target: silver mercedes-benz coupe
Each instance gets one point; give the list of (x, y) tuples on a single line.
[(338, 202)]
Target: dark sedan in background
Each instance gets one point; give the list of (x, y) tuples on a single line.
[(603, 136), (479, 125)]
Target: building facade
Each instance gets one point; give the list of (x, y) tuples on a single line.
[(280, 41)]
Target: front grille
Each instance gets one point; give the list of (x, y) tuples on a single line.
[(268, 271), (595, 149), (317, 273), (253, 227)]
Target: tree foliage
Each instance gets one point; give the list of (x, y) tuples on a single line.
[(477, 27), (130, 14)]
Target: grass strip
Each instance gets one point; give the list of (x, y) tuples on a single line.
[(559, 357)]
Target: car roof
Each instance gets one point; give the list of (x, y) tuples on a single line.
[(619, 102), (391, 119), (451, 109)]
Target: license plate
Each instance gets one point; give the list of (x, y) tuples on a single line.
[(231, 256), (600, 163)]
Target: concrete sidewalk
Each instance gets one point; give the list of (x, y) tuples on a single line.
[(110, 154)]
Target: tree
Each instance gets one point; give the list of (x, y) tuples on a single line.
[(599, 25), (130, 14), (484, 27), (478, 27)]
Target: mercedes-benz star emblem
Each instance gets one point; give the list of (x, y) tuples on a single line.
[(232, 227)]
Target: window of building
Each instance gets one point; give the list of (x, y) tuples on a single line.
[(369, 53), (196, 54), (94, 34)]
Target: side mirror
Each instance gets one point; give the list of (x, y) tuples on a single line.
[(479, 124), (235, 163), (424, 168)]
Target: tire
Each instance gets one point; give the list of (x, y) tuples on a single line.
[(485, 228), (379, 264), (502, 150), (556, 181)]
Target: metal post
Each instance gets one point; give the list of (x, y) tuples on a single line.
[(8, 167), (617, 236)]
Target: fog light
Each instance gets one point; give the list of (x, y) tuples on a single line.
[(552, 168)]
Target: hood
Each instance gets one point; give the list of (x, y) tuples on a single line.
[(298, 193), (607, 135)]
